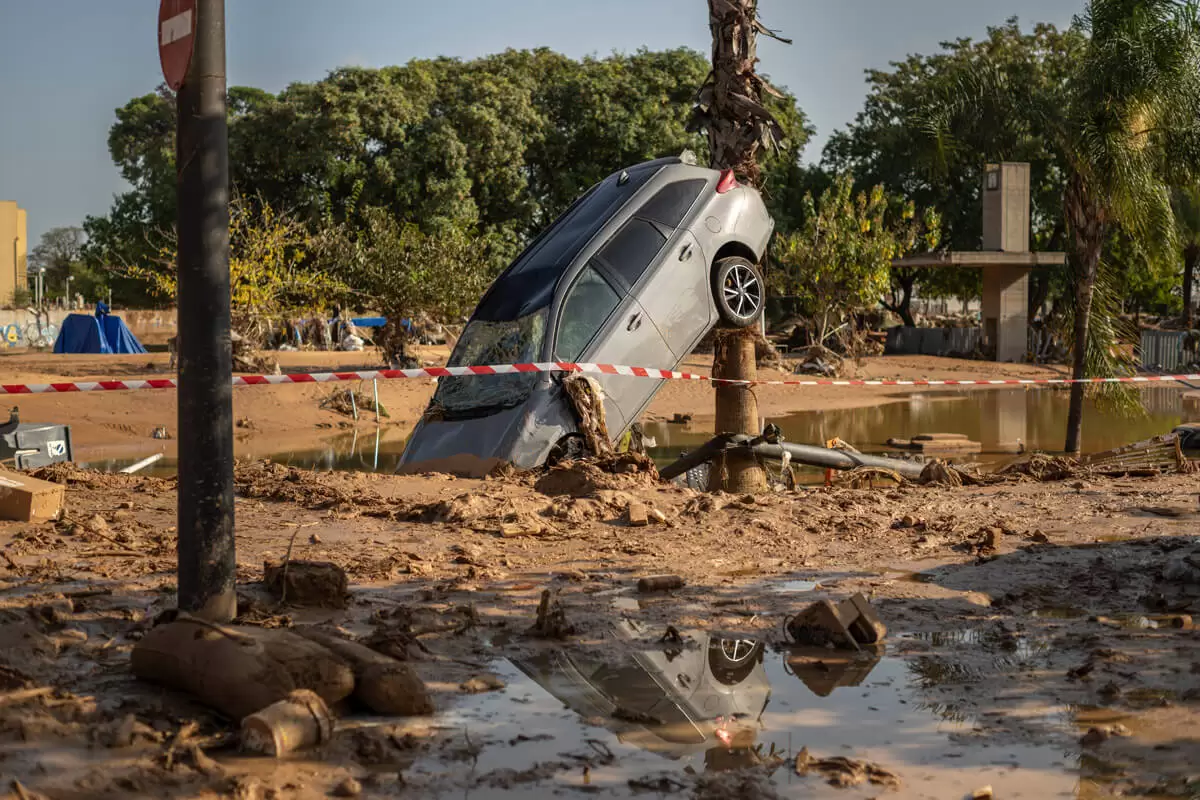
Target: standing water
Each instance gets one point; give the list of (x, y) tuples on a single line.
[(997, 418)]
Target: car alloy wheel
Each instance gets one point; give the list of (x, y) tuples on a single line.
[(739, 291)]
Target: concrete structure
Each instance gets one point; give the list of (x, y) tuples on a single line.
[(1005, 260), (14, 249)]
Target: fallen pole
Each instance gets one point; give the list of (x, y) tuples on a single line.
[(141, 465), (802, 453)]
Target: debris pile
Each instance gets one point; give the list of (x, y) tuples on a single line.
[(280, 683), (849, 624)]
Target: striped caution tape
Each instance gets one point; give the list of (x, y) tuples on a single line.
[(509, 369)]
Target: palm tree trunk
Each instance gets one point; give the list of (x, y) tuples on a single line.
[(1086, 221), (1191, 255), (730, 108)]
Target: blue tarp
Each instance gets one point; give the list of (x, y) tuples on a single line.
[(83, 333)]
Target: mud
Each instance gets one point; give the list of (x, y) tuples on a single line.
[(999, 662)]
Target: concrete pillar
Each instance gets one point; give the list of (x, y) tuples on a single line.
[(1006, 311)]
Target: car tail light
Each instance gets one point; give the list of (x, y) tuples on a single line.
[(727, 182)]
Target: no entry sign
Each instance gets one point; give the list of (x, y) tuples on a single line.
[(176, 37)]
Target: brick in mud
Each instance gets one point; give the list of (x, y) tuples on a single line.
[(637, 515)]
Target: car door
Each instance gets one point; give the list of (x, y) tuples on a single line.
[(599, 323), (665, 267)]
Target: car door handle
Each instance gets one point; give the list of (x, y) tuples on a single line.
[(685, 253), (635, 322)]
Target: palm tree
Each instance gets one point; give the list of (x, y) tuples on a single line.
[(1186, 202), (1125, 125)]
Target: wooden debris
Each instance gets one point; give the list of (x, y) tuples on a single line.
[(552, 620), (238, 670), (660, 583), (318, 584), (297, 722), (381, 683)]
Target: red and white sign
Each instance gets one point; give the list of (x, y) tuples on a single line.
[(176, 38)]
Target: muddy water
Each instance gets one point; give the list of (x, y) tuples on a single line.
[(998, 419), (700, 709)]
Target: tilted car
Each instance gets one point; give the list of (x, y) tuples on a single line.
[(636, 272)]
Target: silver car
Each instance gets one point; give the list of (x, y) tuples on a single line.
[(636, 272)]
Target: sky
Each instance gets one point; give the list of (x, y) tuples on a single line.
[(65, 65)]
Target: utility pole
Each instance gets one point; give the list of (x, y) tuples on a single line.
[(207, 559)]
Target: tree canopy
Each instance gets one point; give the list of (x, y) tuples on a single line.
[(492, 148)]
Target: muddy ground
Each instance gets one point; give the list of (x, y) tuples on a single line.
[(1021, 617)]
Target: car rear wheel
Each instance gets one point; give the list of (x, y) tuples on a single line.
[(739, 291)]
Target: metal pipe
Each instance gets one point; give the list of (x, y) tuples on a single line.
[(141, 465), (838, 459), (802, 453)]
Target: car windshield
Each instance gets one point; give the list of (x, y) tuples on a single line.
[(516, 341)]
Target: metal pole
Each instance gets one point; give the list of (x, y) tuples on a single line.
[(207, 561), (375, 382)]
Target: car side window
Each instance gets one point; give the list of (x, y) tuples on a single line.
[(633, 249), (672, 202), (589, 303)]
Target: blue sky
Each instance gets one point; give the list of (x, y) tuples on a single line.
[(67, 64)]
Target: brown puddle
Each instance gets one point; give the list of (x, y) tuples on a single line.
[(698, 713)]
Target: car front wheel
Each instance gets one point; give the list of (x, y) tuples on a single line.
[(739, 291)]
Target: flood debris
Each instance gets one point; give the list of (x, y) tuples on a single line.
[(659, 583), (1102, 733), (551, 622), (636, 514), (317, 584), (843, 772), (238, 670), (381, 683), (945, 443), (297, 722), (849, 624), (352, 403), (587, 402), (485, 682)]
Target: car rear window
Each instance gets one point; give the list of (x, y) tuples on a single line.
[(633, 248), (672, 202)]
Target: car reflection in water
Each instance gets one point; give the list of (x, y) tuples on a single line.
[(706, 694)]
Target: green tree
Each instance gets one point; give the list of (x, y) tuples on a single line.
[(403, 271), (839, 262), (1128, 107), (890, 143)]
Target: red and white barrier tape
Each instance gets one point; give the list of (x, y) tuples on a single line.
[(508, 369)]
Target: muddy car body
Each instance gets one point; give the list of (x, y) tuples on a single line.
[(636, 272)]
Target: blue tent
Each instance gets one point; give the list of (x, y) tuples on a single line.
[(82, 333)]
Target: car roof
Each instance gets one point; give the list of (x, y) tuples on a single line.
[(529, 282)]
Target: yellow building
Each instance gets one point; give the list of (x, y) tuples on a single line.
[(14, 248)]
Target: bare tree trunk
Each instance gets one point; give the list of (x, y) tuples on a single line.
[(737, 412), (1087, 226), (1191, 255)]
